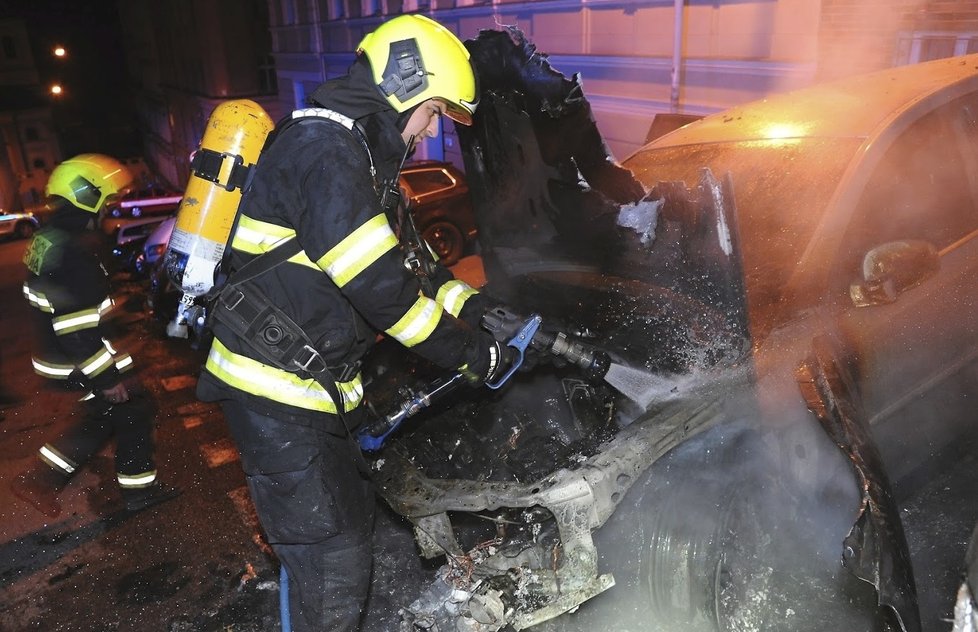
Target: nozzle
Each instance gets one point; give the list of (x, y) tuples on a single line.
[(593, 362)]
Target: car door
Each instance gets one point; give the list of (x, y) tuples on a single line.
[(912, 352)]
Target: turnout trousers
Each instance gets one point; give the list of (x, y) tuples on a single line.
[(316, 505), (131, 423)]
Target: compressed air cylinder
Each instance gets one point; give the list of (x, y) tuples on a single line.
[(234, 137)]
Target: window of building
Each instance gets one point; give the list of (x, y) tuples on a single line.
[(921, 46), (9, 48), (303, 12), (39, 163), (288, 12), (371, 7), (267, 79), (30, 133), (352, 8)]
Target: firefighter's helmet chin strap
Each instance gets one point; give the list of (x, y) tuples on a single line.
[(416, 255)]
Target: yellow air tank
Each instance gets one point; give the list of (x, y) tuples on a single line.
[(233, 139)]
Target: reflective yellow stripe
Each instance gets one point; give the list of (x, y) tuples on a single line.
[(38, 300), (50, 455), (94, 365), (259, 379), (453, 295), (123, 362), (75, 321), (362, 247), (52, 370), (135, 481), (256, 237), (418, 323)]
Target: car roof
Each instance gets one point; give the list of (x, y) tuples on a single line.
[(426, 164), (854, 107)]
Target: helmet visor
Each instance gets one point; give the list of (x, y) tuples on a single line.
[(458, 113)]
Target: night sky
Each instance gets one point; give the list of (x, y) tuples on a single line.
[(96, 112)]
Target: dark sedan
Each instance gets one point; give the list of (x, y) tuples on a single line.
[(442, 210)]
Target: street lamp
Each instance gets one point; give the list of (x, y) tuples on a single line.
[(59, 51), (56, 90)]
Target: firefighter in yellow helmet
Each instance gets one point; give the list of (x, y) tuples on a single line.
[(318, 189), (68, 287)]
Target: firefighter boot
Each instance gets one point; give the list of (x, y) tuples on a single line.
[(146, 497), (39, 486)]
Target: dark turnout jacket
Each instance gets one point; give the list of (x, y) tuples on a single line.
[(349, 282), (69, 288)]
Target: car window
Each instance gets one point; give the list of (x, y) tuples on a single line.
[(925, 187), (428, 181)]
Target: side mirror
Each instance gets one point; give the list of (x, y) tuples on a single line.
[(893, 268)]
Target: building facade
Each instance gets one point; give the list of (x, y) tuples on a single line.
[(638, 58), (186, 57), (29, 146)]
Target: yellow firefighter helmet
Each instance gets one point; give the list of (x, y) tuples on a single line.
[(413, 59), (87, 180)]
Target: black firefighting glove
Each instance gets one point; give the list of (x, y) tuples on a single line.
[(504, 323), (502, 358), (494, 362)]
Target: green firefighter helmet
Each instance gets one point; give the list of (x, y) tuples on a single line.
[(413, 59), (87, 180)]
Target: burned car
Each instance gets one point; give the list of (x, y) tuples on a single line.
[(786, 293)]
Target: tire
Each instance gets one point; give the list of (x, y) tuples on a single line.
[(446, 240), (711, 539), (24, 230)]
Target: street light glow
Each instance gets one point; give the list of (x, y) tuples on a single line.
[(59, 51), (56, 90)]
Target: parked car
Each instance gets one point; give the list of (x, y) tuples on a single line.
[(18, 225), (792, 290), (138, 204), (130, 239), (161, 295), (155, 244), (441, 207), (42, 211)]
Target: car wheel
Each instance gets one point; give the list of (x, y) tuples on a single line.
[(24, 230), (711, 540), (446, 240)]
